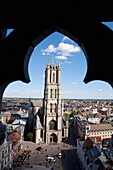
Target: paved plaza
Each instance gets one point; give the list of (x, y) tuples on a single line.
[(36, 158)]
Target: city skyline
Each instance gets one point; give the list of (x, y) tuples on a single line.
[(73, 69)]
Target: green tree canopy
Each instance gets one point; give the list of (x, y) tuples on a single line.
[(30, 136), (73, 113), (67, 116)]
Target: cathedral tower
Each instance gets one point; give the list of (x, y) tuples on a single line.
[(52, 104)]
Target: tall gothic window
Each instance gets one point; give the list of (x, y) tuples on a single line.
[(53, 77), (50, 93), (50, 107), (62, 131), (55, 108), (50, 75), (52, 125), (57, 77), (55, 93)]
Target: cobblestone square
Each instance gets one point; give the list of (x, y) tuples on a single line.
[(38, 154)]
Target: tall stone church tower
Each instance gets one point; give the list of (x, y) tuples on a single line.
[(52, 104)]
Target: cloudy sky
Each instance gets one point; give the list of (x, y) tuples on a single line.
[(73, 69)]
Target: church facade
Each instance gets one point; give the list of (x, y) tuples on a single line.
[(49, 126)]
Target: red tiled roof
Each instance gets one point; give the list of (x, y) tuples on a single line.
[(92, 138), (14, 136)]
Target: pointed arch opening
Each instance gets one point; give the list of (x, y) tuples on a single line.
[(53, 138), (65, 40), (52, 125)]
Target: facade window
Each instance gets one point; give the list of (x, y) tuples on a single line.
[(50, 107), (50, 77), (53, 77), (3, 154), (55, 93), (63, 132), (87, 128), (51, 93), (2, 165), (9, 149), (52, 125), (5, 151), (55, 107), (57, 78)]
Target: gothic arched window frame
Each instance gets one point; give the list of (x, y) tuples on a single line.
[(52, 125), (51, 91), (53, 77), (51, 107)]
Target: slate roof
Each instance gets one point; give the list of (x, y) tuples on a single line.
[(93, 153), (36, 103), (2, 128)]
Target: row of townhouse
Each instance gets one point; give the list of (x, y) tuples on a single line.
[(11, 140), (6, 157)]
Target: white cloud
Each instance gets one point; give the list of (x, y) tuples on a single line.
[(61, 57), (63, 49), (49, 49), (67, 49)]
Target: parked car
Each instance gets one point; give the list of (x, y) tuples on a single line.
[(50, 159), (59, 155)]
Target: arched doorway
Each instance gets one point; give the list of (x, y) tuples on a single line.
[(53, 138)]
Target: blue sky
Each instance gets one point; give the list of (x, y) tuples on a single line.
[(73, 69)]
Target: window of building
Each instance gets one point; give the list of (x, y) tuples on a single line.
[(51, 93), (55, 93), (50, 78), (3, 154), (50, 107), (52, 125), (53, 77), (55, 107)]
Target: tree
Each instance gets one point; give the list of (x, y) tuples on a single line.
[(73, 113), (67, 116), (30, 136)]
